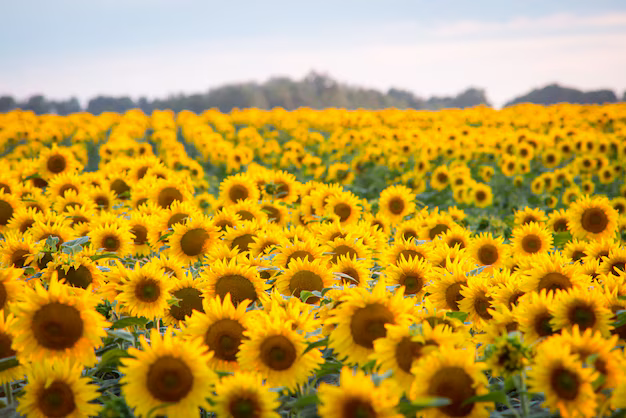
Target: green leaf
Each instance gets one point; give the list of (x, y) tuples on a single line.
[(461, 316), (319, 343), (621, 320), (77, 241), (305, 295), (304, 400), (410, 409), (8, 363), (121, 335), (104, 255), (112, 357), (562, 238), (620, 413), (496, 396), (52, 242), (129, 322)]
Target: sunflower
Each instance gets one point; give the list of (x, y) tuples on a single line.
[(145, 292), (584, 308), (9, 205), (395, 203), (57, 160), (167, 191), (592, 218), (191, 240), (238, 187), (169, 374), (241, 235), (357, 396), (552, 274), (56, 388), (77, 270), (531, 239), (408, 230), (361, 317), (274, 349), (477, 300), (482, 196), (414, 274), (17, 250), (351, 271), (557, 221), (287, 251), (251, 211), (435, 225), (451, 373), (243, 395), (345, 207), (565, 383), (304, 317), (406, 250), (241, 281), (7, 322), (593, 349), (54, 323), (141, 226), (277, 212), (508, 293), (440, 178), (265, 241), (189, 295), (113, 238), (303, 275), (487, 250), (350, 246), (403, 347), (456, 236), (575, 250), (281, 186), (175, 214), (528, 215), (534, 315), (220, 325), (22, 220), (614, 263), (445, 290)]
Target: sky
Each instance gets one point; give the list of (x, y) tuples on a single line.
[(155, 48)]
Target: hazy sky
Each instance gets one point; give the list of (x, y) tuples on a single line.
[(155, 47)]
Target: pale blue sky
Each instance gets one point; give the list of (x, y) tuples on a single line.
[(157, 47)]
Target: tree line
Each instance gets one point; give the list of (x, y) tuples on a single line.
[(315, 90)]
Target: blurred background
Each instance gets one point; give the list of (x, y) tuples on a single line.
[(66, 56)]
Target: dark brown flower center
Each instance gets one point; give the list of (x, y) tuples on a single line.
[(455, 384), (278, 352), (56, 164), (594, 220), (57, 400), (239, 287), (488, 254), (169, 195), (148, 290), (57, 326), (565, 383), (189, 299), (169, 379), (77, 277), (224, 338), (192, 242), (306, 280), (368, 324)]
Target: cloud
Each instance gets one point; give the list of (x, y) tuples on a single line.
[(556, 22), (441, 65)]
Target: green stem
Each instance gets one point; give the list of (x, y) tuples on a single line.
[(520, 384), (8, 391), (513, 410)]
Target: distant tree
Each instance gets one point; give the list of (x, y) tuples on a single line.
[(102, 104), (65, 107), (7, 103), (554, 93), (37, 104)]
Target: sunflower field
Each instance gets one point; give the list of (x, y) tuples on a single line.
[(333, 263)]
